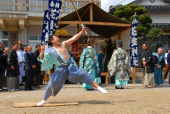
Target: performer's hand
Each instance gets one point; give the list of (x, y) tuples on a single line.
[(42, 47), (84, 29), (12, 67)]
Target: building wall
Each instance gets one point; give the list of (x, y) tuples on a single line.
[(22, 35), (160, 18), (83, 3), (157, 2), (34, 30), (72, 30)]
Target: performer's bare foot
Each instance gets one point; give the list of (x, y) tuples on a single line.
[(41, 103)]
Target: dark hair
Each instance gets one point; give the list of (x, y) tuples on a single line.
[(88, 42), (51, 38), (145, 44), (14, 43), (37, 45)]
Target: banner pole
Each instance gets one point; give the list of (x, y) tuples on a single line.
[(133, 76)]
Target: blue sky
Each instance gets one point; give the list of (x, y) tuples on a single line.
[(107, 3)]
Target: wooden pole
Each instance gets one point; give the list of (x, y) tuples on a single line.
[(91, 12), (119, 35), (133, 76)]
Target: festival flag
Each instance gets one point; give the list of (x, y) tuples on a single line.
[(51, 17), (133, 43)]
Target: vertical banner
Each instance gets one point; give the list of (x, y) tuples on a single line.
[(54, 13), (45, 30), (51, 17), (133, 43)]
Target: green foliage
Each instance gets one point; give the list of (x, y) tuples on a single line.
[(142, 19), (147, 25), (124, 19), (144, 29), (155, 35), (131, 18), (128, 11), (141, 29), (148, 19), (119, 13), (140, 10)]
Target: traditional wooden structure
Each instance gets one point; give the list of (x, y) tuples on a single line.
[(99, 21)]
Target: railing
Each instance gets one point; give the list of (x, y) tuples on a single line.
[(33, 5)]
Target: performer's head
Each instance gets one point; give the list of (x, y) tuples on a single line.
[(54, 40), (119, 44), (88, 42), (145, 46)]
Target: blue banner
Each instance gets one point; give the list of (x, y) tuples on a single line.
[(133, 43), (51, 17)]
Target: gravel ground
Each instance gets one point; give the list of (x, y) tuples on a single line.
[(128, 101)]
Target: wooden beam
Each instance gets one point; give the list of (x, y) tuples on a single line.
[(91, 12), (21, 24), (2, 24), (24, 105), (85, 11), (119, 35), (95, 23), (166, 31), (65, 37)]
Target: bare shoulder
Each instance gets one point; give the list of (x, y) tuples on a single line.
[(63, 45)]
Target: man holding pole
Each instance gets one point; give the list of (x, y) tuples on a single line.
[(65, 66)]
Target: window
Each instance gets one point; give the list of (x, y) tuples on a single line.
[(6, 7), (69, 10), (39, 2), (68, 3), (33, 41), (4, 36)]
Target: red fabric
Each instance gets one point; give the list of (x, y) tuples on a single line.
[(76, 46)]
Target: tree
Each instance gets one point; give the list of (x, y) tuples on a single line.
[(153, 36), (127, 12)]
